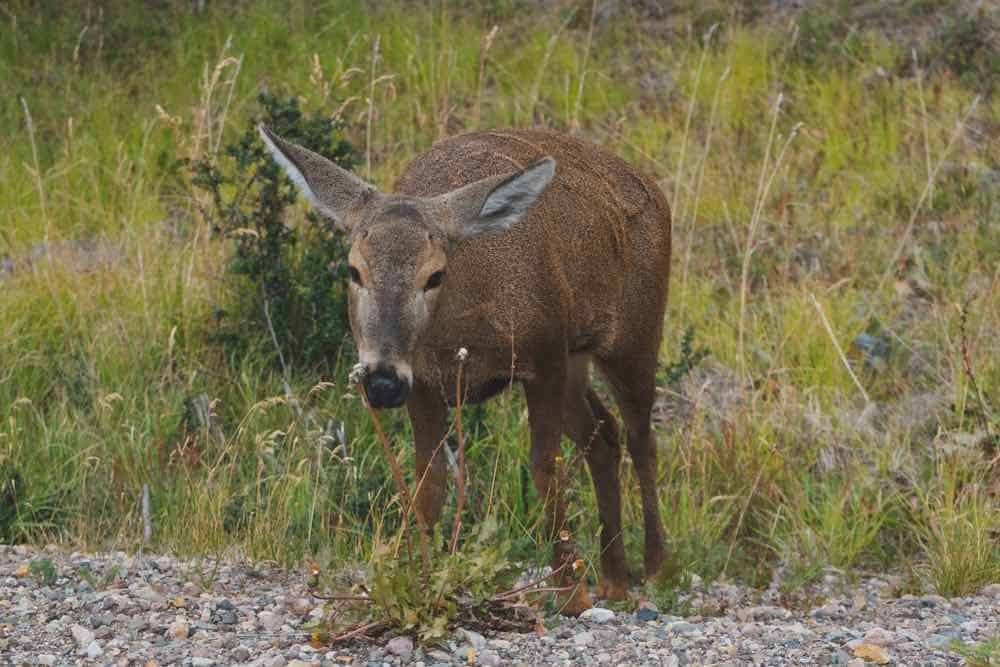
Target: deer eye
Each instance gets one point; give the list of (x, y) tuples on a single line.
[(355, 276), (434, 281)]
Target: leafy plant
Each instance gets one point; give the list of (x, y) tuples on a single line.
[(43, 570), (690, 356), (403, 593), (288, 287)]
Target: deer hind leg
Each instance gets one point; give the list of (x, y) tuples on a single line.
[(546, 398), (633, 379), (595, 431)]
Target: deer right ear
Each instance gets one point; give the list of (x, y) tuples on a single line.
[(496, 203), (332, 190)]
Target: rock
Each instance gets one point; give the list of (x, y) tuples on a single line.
[(598, 615), (228, 617), (45, 659), (871, 653), (644, 614), (879, 637), (933, 601), (764, 613), (241, 654), (583, 639), (269, 620), (276, 661), (490, 658), (400, 646), (23, 570), (82, 635), (179, 629), (300, 606), (476, 640), (939, 641), (299, 663), (682, 628), (94, 650), (202, 662)]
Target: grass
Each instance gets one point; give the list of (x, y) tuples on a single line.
[(863, 203)]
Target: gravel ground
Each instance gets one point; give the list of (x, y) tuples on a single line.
[(159, 610)]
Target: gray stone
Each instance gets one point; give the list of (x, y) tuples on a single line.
[(82, 635), (94, 650), (45, 659), (489, 659), (269, 620), (202, 662), (646, 614), (583, 639), (477, 641), (598, 615), (241, 654), (682, 628), (400, 646)]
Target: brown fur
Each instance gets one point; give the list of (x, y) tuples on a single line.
[(581, 278)]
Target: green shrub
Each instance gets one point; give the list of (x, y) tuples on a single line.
[(288, 282)]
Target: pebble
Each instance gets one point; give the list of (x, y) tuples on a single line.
[(94, 650), (269, 620), (179, 629), (82, 635), (135, 621), (400, 646), (646, 614), (598, 615)]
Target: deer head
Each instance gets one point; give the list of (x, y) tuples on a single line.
[(399, 247)]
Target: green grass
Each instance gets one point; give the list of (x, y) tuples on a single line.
[(871, 205)]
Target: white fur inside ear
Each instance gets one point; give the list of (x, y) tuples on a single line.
[(510, 200), (293, 173)]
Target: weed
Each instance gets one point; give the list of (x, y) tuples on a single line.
[(44, 570), (981, 654), (689, 356)]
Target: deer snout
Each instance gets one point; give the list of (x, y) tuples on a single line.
[(385, 388)]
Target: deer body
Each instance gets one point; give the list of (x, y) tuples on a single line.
[(541, 255)]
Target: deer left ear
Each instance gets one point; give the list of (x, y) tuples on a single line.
[(329, 188), (495, 204)]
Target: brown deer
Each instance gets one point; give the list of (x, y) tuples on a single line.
[(539, 254)]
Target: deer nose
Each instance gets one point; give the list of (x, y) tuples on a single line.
[(385, 389)]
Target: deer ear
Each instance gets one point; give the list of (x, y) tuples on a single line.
[(494, 204), (332, 190)]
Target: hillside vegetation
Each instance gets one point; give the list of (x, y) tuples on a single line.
[(831, 364)]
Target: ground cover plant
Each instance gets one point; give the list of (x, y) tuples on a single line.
[(830, 364)]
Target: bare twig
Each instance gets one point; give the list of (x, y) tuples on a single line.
[(836, 345), (984, 405), (456, 527), (525, 587), (147, 522)]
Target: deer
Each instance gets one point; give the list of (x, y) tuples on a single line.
[(543, 256)]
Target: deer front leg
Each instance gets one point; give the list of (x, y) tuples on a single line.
[(545, 398), (429, 420)]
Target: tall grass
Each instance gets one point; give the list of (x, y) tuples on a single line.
[(789, 445)]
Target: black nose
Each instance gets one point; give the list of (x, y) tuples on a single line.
[(385, 389)]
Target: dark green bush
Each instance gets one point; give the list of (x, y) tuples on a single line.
[(285, 279)]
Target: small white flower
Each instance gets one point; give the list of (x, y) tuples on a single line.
[(357, 375), (463, 354)]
